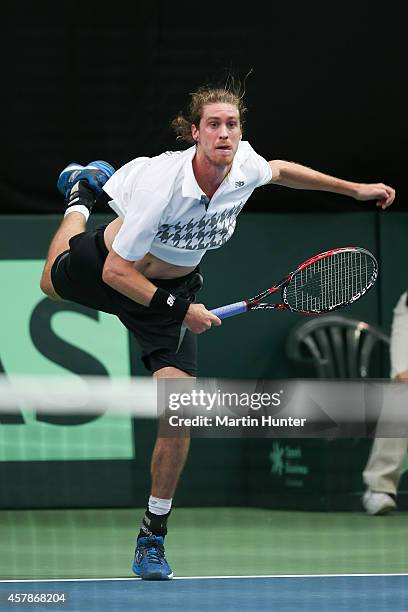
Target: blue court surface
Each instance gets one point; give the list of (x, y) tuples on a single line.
[(362, 593)]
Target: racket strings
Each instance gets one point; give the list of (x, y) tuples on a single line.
[(330, 282)]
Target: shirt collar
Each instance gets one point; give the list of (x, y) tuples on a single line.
[(190, 187)]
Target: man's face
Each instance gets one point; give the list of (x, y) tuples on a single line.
[(219, 133)]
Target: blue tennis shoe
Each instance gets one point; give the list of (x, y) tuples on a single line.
[(150, 561), (96, 173)]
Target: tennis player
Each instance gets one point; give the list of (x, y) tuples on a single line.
[(144, 265)]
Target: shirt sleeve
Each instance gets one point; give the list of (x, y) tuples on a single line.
[(260, 166), (265, 171), (266, 174), (140, 224), (122, 184)]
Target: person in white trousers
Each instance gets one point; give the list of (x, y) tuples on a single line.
[(383, 470)]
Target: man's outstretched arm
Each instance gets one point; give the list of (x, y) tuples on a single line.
[(289, 174)]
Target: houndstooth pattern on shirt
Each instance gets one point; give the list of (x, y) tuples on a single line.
[(208, 232)]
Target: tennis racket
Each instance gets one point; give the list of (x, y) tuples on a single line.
[(323, 283)]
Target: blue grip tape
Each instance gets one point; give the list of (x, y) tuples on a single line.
[(230, 310)]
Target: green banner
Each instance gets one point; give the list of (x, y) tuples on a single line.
[(39, 336)]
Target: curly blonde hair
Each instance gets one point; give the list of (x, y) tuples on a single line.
[(203, 96)]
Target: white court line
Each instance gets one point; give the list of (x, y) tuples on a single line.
[(205, 577)]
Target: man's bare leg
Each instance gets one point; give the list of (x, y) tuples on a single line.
[(168, 460), (169, 454), (71, 225)]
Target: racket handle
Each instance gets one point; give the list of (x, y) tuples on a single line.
[(230, 310)]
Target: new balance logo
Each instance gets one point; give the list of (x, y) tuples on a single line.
[(170, 300)]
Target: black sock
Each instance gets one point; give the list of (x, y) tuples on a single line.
[(153, 524), (81, 194)]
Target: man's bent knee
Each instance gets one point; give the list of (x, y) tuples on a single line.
[(171, 372), (47, 287)]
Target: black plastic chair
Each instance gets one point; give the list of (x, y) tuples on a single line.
[(334, 346)]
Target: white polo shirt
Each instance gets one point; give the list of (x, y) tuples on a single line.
[(166, 213)]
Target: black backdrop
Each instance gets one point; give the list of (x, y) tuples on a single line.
[(94, 80)]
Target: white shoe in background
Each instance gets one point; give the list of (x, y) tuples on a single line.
[(378, 503)]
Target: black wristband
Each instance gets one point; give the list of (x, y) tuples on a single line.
[(167, 303)]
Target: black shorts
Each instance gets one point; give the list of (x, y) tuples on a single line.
[(77, 276)]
